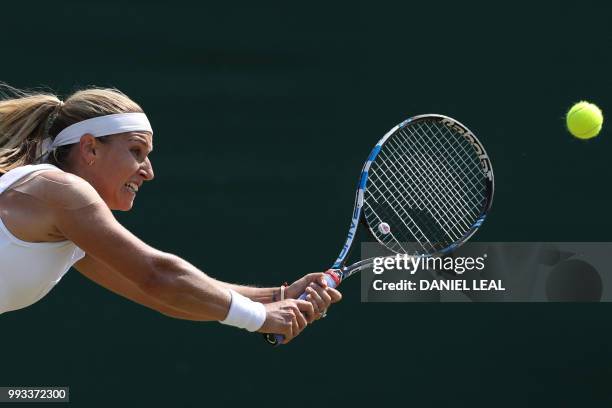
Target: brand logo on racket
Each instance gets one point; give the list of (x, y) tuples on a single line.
[(485, 163), (349, 239)]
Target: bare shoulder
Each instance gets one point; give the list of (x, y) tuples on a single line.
[(61, 177), (60, 190)]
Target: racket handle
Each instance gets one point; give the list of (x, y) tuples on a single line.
[(333, 278)]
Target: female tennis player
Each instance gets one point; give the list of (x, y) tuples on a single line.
[(64, 166)]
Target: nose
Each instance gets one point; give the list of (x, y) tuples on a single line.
[(146, 170)]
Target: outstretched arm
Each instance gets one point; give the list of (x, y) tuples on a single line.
[(263, 295), (170, 281), (320, 295), (116, 283)]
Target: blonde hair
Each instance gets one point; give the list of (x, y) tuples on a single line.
[(27, 118)]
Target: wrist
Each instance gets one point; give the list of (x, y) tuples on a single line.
[(244, 313), (280, 293)]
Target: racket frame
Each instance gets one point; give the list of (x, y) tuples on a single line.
[(339, 271), (339, 267)]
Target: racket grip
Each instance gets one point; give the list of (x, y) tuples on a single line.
[(332, 277)]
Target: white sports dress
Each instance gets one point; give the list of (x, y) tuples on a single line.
[(28, 270)]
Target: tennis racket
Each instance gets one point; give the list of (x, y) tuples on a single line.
[(424, 190)]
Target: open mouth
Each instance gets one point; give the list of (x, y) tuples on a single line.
[(133, 187)]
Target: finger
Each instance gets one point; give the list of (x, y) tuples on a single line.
[(335, 295), (310, 317), (286, 333), (305, 307), (317, 277), (293, 329), (313, 277), (325, 297), (296, 324), (318, 295), (313, 297), (301, 321)]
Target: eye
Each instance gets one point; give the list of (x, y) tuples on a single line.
[(137, 152)]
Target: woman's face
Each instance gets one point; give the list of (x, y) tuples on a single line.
[(120, 168)]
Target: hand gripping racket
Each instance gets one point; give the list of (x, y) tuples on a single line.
[(424, 190)]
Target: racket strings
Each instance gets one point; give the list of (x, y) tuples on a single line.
[(448, 175), (407, 192), (469, 160), (425, 174), (436, 148), (426, 232), (455, 178), (390, 210), (390, 240), (427, 184), (432, 187), (458, 154)]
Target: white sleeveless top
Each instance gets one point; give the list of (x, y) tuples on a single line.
[(28, 270)]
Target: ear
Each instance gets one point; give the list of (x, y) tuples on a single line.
[(87, 147)]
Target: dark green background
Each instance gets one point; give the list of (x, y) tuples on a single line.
[(264, 113)]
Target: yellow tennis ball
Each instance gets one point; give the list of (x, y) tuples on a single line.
[(584, 120)]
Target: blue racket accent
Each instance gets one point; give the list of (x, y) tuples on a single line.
[(479, 221), (363, 181), (449, 249), (374, 152), (430, 180)]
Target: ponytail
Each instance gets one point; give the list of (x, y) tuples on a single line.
[(23, 120), (27, 118)]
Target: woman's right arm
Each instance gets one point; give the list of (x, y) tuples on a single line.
[(114, 282), (165, 277)]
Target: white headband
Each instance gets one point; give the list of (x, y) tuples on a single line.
[(97, 127)]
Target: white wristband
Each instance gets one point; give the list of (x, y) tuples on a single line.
[(244, 313)]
